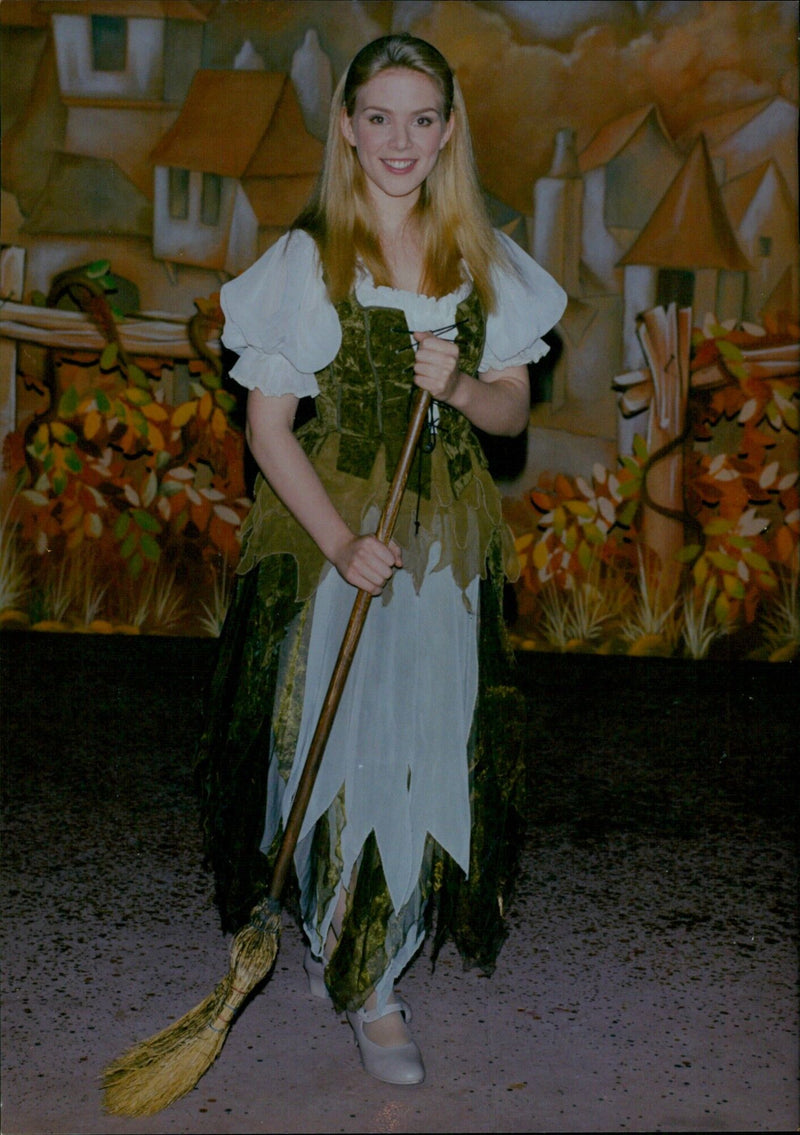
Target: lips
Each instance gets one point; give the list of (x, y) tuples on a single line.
[(400, 165)]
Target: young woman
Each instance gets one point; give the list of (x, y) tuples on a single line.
[(392, 277)]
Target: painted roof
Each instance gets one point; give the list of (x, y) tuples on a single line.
[(237, 123), (155, 9), (90, 195), (615, 135), (23, 14), (718, 127), (277, 201), (689, 227), (739, 193)]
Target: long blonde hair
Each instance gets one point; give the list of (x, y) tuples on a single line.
[(450, 211)]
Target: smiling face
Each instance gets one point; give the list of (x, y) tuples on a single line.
[(398, 130)]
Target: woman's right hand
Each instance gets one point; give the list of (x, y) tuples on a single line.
[(366, 563)]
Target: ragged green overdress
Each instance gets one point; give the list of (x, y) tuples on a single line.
[(450, 521)]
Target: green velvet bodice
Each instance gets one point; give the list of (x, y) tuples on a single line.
[(354, 440), (365, 393)]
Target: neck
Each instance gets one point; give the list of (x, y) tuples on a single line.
[(393, 214)]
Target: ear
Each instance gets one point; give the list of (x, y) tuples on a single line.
[(347, 127), (448, 130)]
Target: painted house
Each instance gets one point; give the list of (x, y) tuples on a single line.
[(764, 216), (588, 210), (233, 171), (124, 67), (744, 138), (687, 253), (626, 169)]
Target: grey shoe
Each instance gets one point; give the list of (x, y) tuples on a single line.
[(401, 1064)]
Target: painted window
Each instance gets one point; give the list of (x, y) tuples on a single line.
[(109, 43), (675, 285), (178, 193), (212, 191)]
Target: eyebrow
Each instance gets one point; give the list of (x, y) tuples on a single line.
[(422, 110)]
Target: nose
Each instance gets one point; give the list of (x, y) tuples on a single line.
[(401, 137)]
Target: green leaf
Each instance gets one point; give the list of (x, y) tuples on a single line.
[(68, 403), (756, 560), (59, 483), (585, 556), (137, 377), (640, 447), (225, 401), (722, 561), (687, 553), (626, 514), (135, 565), (146, 522), (49, 461), (628, 489), (121, 525), (128, 546), (98, 268), (729, 350), (103, 401), (593, 534), (717, 526), (211, 381), (150, 548), (734, 586), (72, 461), (108, 359)]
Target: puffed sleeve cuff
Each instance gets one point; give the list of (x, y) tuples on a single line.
[(279, 320), (529, 303)]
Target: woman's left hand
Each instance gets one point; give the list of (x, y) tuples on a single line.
[(436, 366)]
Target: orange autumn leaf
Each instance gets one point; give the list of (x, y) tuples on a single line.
[(224, 536), (784, 544), (92, 424), (206, 406), (563, 487), (184, 413), (200, 513), (155, 412), (72, 517)]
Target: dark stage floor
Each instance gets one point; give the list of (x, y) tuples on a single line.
[(649, 982)]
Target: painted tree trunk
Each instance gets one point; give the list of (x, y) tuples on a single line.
[(665, 336)]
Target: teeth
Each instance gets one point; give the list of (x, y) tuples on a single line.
[(406, 164)]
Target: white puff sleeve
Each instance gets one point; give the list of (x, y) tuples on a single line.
[(279, 320), (529, 304)]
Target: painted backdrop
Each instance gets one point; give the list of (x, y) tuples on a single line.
[(644, 153)]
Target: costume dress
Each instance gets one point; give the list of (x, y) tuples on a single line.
[(419, 792)]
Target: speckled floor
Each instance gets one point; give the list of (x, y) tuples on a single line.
[(649, 982)]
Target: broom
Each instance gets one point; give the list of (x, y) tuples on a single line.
[(158, 1071)]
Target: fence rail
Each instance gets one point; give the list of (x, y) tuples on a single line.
[(157, 334)]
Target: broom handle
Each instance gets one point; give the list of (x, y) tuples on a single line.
[(419, 410)]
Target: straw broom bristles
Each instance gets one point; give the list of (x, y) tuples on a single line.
[(156, 1072)]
